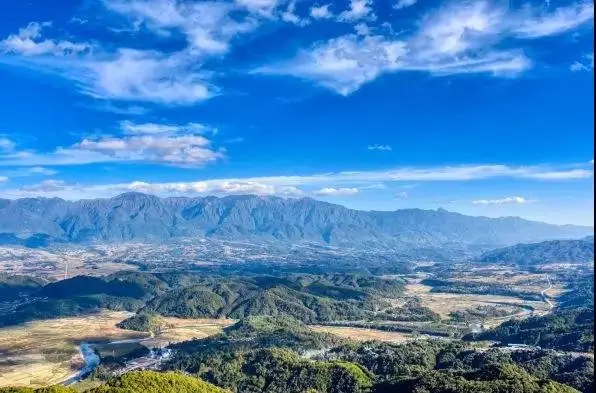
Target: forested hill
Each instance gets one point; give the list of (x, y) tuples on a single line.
[(140, 217), (554, 251)]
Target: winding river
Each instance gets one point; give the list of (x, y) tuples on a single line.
[(91, 361)]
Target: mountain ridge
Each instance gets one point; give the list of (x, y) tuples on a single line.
[(550, 251), (137, 216)]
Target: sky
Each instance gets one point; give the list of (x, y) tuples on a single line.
[(479, 107)]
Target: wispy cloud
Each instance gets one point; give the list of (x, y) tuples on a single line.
[(502, 201), (326, 184), (538, 23), (464, 37), (586, 64), (128, 74), (379, 147), (159, 128), (46, 186), (3, 179), (29, 171), (401, 195)]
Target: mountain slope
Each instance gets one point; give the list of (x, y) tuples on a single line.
[(140, 217), (581, 250)]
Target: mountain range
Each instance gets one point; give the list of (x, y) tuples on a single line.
[(142, 217)]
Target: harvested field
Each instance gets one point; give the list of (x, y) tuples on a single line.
[(179, 329), (445, 303), (46, 352), (362, 334)]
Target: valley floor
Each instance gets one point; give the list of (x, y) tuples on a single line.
[(46, 352)]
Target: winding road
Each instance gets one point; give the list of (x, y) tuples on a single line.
[(543, 293)]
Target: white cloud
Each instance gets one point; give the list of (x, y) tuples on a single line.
[(379, 147), (134, 75), (3, 179), (290, 16), (404, 4), (592, 161), (343, 64), (29, 42), (587, 64), (401, 195), (359, 9), (502, 201), (180, 150), (180, 145), (460, 38), (260, 7), (321, 12), (542, 24), (330, 191)]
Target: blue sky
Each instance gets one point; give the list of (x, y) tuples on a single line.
[(480, 107)]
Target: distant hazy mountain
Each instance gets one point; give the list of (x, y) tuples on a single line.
[(553, 251), (140, 217)]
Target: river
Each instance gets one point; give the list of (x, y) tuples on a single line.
[(91, 361)]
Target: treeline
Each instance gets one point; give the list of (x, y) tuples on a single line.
[(479, 288)]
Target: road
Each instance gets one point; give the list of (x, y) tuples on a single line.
[(544, 296)]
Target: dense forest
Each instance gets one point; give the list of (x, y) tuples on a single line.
[(307, 297), (235, 363)]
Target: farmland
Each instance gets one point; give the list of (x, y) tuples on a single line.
[(46, 352)]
